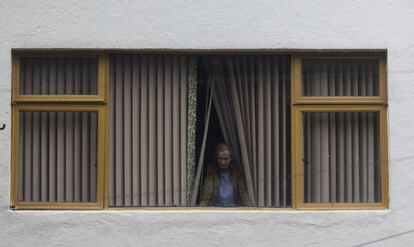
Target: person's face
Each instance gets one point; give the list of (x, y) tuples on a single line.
[(223, 159)]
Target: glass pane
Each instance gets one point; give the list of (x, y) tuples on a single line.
[(149, 130), (148, 112), (58, 76), (341, 157), (340, 77), (57, 156)]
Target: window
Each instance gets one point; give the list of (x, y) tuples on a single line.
[(58, 133), (103, 131), (340, 131)]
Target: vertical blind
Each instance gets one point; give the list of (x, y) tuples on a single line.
[(148, 127), (341, 157), (340, 77), (58, 76), (57, 156), (341, 149)]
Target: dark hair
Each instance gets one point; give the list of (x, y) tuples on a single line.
[(220, 147)]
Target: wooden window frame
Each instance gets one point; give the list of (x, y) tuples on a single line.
[(66, 103), (99, 103), (100, 110), (58, 98), (301, 104), (299, 150), (298, 98)]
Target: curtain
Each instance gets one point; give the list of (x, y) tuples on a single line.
[(341, 157), (148, 124), (57, 156), (251, 96), (49, 76)]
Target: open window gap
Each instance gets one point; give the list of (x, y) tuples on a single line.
[(263, 101)]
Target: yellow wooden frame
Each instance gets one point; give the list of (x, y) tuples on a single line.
[(99, 103), (298, 98), (100, 109), (100, 97), (298, 164), (302, 104)]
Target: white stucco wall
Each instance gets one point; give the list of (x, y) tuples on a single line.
[(230, 24)]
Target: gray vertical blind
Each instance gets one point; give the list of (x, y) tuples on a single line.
[(148, 130), (340, 77), (58, 76), (57, 156), (341, 157)]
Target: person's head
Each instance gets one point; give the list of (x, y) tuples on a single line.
[(223, 156)]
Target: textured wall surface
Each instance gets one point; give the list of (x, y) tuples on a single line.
[(185, 24)]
